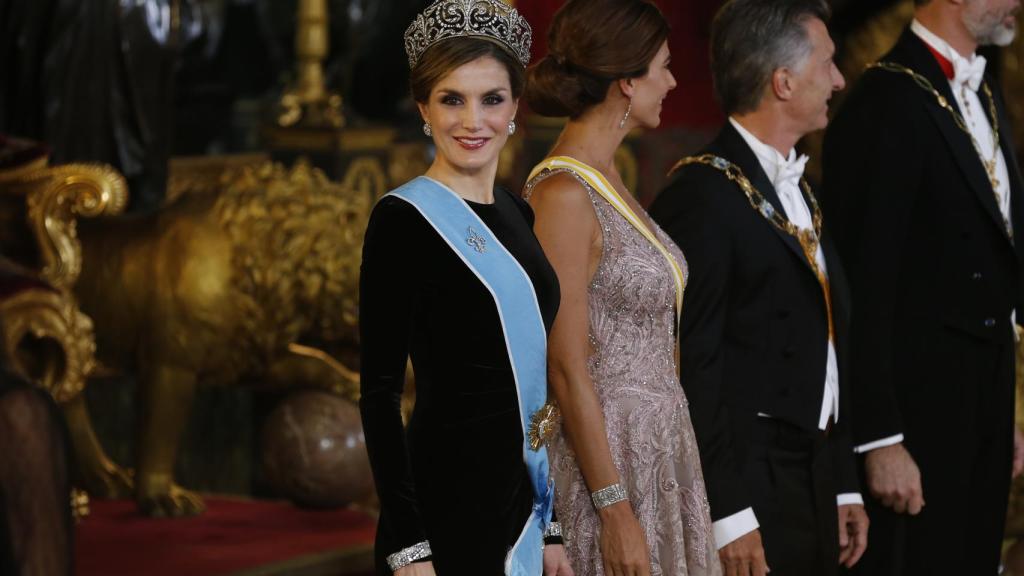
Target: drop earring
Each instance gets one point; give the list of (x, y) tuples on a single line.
[(426, 129), (622, 123), (511, 127)]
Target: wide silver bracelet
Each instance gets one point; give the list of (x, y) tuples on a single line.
[(407, 556), (553, 530), (607, 496)]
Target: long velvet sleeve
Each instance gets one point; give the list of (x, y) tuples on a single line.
[(386, 301)]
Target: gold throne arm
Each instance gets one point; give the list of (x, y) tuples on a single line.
[(46, 337), (58, 197), (48, 341)]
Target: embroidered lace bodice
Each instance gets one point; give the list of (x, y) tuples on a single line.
[(632, 322)]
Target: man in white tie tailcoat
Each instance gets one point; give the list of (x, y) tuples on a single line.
[(923, 193), (763, 332)]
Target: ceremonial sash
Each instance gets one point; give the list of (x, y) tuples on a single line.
[(525, 339), (599, 183)]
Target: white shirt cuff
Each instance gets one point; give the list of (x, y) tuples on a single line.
[(890, 441), (732, 527), (849, 498)]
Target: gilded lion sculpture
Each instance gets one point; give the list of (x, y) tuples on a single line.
[(216, 286)]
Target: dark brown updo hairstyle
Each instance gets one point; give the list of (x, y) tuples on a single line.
[(592, 43), (447, 55)]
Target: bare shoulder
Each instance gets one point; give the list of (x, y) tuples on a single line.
[(567, 228), (561, 193)]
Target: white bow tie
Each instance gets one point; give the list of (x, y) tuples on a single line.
[(969, 72), (790, 172)]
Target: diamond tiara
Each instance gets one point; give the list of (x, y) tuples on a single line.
[(491, 19)]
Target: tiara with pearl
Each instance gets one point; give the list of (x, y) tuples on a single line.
[(491, 19)]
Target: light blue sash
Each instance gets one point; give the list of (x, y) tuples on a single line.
[(525, 338)]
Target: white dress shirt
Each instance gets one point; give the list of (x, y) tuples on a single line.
[(967, 79), (785, 173)]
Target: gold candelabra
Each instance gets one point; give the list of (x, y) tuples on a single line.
[(307, 101)]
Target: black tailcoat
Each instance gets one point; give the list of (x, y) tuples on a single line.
[(754, 331), (934, 280)]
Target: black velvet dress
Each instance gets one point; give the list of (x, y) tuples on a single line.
[(456, 476)]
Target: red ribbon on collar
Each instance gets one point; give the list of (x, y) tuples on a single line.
[(944, 63)]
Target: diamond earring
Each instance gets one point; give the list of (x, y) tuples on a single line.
[(511, 127), (426, 129), (622, 123)]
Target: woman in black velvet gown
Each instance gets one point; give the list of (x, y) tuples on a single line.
[(454, 489)]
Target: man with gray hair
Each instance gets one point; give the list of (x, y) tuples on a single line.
[(763, 329), (924, 194)]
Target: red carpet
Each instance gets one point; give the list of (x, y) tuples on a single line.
[(232, 536)]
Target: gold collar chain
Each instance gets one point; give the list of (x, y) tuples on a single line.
[(926, 85), (809, 239)]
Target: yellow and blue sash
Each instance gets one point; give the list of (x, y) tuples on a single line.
[(525, 339), (603, 187)]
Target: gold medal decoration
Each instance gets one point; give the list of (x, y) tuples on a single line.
[(543, 425)]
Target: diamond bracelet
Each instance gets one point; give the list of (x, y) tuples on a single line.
[(407, 556), (607, 496), (554, 530)]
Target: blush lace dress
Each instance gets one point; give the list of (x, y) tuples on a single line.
[(632, 364)]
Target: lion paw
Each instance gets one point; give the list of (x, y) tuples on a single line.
[(172, 503), (109, 482)]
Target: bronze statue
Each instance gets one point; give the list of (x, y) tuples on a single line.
[(216, 286)]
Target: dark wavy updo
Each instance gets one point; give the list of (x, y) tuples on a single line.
[(592, 43)]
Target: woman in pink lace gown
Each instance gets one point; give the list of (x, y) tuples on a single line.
[(630, 493)]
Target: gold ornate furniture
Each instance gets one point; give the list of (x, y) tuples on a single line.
[(43, 334), (46, 337)]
